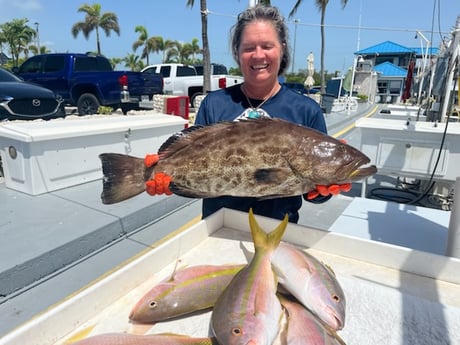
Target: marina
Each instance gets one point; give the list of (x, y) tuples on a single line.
[(72, 267)]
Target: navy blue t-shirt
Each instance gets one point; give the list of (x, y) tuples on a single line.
[(230, 104)]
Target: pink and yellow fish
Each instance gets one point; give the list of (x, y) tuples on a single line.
[(303, 328), (311, 282), (186, 291), (149, 339), (248, 312)]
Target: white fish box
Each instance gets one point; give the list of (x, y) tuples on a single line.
[(44, 156), (395, 295), (411, 149)]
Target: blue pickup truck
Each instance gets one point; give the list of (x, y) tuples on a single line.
[(89, 81)]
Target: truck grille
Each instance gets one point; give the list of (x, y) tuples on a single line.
[(33, 107)]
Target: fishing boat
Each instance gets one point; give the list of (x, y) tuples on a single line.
[(71, 267)]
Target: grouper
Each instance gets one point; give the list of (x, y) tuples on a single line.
[(262, 158)]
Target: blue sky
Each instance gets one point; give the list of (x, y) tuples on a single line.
[(361, 24)]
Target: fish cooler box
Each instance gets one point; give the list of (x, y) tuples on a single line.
[(44, 156), (395, 295)]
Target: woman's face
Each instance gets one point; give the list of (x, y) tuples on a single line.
[(260, 53)]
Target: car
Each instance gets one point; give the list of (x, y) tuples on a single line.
[(21, 100)]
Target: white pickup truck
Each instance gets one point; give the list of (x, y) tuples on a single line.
[(187, 80)]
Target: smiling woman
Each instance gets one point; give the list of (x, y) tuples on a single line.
[(20, 100), (261, 49)]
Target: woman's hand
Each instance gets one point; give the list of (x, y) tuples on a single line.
[(160, 182), (333, 189)]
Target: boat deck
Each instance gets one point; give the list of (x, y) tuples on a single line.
[(56, 243)]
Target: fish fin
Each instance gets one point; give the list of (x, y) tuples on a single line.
[(246, 252), (175, 269), (329, 268), (177, 141), (272, 175), (123, 177), (186, 192), (263, 240), (84, 333)]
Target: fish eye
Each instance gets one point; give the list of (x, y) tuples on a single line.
[(336, 298), (153, 304), (237, 331)]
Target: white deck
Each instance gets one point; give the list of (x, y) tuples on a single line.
[(88, 240)]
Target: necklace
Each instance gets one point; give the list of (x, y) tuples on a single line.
[(255, 112)]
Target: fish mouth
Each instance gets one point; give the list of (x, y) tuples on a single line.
[(359, 169), (363, 171), (335, 322), (338, 324)]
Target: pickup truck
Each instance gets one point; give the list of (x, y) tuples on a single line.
[(187, 80), (89, 81)]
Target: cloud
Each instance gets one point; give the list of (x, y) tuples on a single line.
[(24, 5)]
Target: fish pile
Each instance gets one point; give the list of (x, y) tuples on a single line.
[(262, 158), (282, 296)]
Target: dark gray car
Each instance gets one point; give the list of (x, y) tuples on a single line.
[(20, 100)]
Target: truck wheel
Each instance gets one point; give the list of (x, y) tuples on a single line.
[(196, 99), (88, 104)]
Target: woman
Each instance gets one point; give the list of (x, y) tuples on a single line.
[(260, 47)]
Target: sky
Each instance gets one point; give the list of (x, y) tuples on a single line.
[(359, 25)]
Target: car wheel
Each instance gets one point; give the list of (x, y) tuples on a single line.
[(88, 104)]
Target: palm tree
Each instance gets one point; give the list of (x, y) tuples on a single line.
[(150, 43), (180, 52), (93, 21), (321, 4), (17, 35), (195, 49), (133, 62), (114, 61), (35, 50), (163, 46), (204, 38)]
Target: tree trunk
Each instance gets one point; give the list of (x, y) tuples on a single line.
[(206, 53)]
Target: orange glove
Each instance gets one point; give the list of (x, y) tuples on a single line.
[(151, 160), (160, 182), (333, 189), (158, 185)]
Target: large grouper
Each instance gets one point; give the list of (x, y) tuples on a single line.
[(263, 158)]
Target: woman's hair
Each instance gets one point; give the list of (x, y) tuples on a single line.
[(264, 13)]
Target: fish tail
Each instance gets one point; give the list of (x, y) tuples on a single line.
[(263, 240), (124, 176)]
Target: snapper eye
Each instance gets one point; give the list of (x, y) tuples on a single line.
[(336, 298), (153, 304)]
